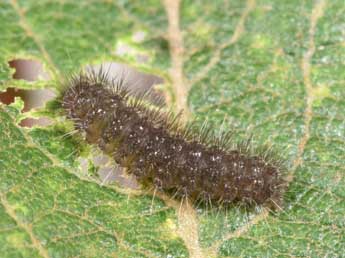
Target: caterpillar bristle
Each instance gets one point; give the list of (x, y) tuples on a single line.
[(161, 151)]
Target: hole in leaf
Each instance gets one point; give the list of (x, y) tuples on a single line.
[(136, 81), (29, 70)]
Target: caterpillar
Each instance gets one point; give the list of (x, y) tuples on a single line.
[(163, 152)]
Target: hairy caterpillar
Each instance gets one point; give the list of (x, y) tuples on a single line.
[(159, 150)]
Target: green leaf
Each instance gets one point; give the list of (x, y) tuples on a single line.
[(274, 69), (49, 211)]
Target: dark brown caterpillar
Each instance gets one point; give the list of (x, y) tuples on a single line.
[(159, 151)]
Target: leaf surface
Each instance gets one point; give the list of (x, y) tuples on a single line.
[(274, 69)]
